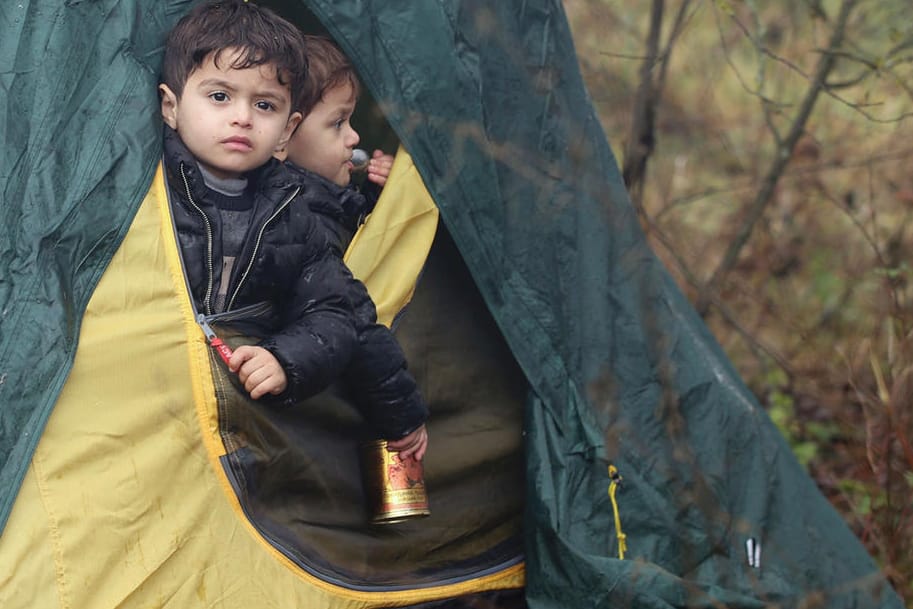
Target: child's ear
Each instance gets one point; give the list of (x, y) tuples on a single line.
[(169, 106), (293, 121)]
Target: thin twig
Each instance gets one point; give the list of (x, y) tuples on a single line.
[(768, 185)]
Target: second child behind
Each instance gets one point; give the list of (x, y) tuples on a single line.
[(321, 150)]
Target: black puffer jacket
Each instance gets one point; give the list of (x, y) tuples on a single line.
[(288, 261), (377, 377)]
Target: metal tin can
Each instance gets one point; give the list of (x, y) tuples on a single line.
[(394, 489)]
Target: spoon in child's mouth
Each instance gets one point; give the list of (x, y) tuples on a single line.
[(360, 159)]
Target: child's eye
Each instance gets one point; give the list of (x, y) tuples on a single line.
[(218, 96), (265, 105), (338, 124)]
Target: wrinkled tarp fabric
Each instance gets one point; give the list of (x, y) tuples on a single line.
[(622, 370), (80, 141), (488, 99)]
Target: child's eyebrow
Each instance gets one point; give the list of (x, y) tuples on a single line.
[(278, 96), (215, 82)]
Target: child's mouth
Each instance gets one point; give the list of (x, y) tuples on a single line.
[(237, 143)]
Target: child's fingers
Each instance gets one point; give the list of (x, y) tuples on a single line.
[(240, 355), (379, 170), (403, 443), (271, 384), (413, 444), (406, 452), (259, 390), (380, 163), (252, 376), (377, 179), (420, 450), (421, 446), (416, 451)]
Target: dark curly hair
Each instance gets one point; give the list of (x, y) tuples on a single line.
[(328, 67), (262, 36)]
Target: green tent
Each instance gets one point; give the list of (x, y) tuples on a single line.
[(550, 341)]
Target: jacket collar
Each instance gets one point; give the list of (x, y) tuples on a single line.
[(344, 203)]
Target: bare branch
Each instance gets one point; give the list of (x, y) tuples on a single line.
[(757, 207), (642, 137), (678, 27)]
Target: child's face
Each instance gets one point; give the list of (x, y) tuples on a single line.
[(324, 141), (231, 120)]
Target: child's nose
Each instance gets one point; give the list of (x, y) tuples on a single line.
[(242, 116), (353, 138)]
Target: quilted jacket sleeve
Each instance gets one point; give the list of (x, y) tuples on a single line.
[(318, 340), (378, 379)]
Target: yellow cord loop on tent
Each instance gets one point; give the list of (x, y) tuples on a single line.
[(615, 478)]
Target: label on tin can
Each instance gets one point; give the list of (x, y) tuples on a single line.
[(395, 488)]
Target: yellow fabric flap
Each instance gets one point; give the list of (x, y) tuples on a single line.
[(389, 250), (126, 504)]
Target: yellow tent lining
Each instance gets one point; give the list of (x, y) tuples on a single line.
[(395, 288), (389, 250), (120, 507)]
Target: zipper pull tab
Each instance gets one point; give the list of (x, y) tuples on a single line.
[(214, 341)]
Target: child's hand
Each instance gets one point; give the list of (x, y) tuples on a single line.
[(258, 370), (379, 167), (413, 444)]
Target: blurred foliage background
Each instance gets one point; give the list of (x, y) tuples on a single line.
[(767, 147)]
